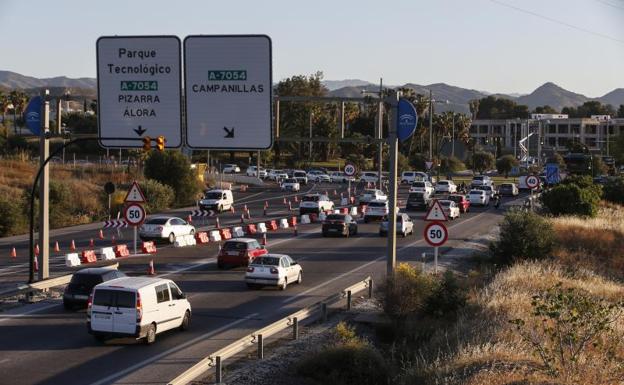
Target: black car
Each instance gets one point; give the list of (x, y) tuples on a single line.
[(82, 283), (418, 201), (339, 224)]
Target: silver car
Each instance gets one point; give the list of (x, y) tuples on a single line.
[(167, 228), (404, 226)]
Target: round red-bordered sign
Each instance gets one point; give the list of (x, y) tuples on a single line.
[(134, 214), (349, 169), (532, 181), (436, 234)]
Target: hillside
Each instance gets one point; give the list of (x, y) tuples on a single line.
[(552, 95), (10, 79)]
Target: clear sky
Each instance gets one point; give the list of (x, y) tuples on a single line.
[(482, 44)]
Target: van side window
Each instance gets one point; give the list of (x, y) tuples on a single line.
[(162, 293), (176, 293)]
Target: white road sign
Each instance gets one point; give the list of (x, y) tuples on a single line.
[(532, 181), (139, 89), (436, 212), (349, 169), (134, 214), (228, 92), (135, 194), (436, 234)]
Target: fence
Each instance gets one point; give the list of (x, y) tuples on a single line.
[(310, 313)]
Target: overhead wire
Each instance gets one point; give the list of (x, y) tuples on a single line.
[(552, 20)]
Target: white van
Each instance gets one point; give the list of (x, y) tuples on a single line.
[(138, 307), (218, 200), (369, 177), (413, 176)]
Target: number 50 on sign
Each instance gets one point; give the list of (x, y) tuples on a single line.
[(436, 234)]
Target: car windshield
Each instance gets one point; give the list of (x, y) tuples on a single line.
[(156, 221), (443, 182), (212, 195), (506, 185), (476, 192), (235, 246), (310, 198), (445, 203), (377, 204), (455, 198), (477, 178), (300, 174), (335, 217), (87, 280), (290, 181), (415, 196), (369, 192), (271, 261)]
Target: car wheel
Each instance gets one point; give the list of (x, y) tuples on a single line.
[(355, 231), (299, 278), (186, 321), (220, 209), (284, 285), (172, 238), (381, 234), (68, 306), (150, 337), (365, 220), (324, 233), (220, 265), (403, 235), (252, 286), (99, 337)]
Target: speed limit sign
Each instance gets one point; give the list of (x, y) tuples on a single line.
[(532, 181), (134, 214), (436, 234), (349, 169)]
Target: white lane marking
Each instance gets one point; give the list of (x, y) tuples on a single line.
[(7, 317), (166, 353)]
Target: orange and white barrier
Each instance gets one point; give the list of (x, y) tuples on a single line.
[(72, 260), (106, 254)]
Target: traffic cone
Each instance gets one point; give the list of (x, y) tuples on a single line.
[(335, 193), (242, 218), (72, 247), (36, 264), (101, 235), (264, 239), (245, 209), (13, 253), (341, 196), (248, 214), (265, 211), (326, 193), (189, 219), (150, 268), (295, 232), (285, 203), (296, 199), (91, 243), (56, 247), (289, 206), (37, 249), (266, 204), (232, 209), (217, 225), (113, 240)]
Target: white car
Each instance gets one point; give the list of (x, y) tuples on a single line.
[(318, 176), (315, 203), (413, 176), (301, 176), (377, 209), (217, 200), (478, 197), (450, 208), (446, 186), (138, 307), (231, 169), (340, 177), (251, 171), (369, 195), (290, 184), (404, 226), (369, 177), (481, 180), (273, 270), (168, 228), (422, 186), (277, 175), (489, 190)]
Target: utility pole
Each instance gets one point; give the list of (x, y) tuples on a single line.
[(430, 126), (393, 142), (44, 193), (380, 132), (310, 136), (453, 137)]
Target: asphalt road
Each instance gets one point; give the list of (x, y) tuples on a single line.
[(44, 344)]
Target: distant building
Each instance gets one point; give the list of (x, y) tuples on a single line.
[(550, 132)]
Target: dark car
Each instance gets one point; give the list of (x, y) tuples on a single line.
[(82, 283), (418, 201), (339, 224)]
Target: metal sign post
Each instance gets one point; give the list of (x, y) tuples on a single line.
[(393, 142), (349, 170), (436, 235)]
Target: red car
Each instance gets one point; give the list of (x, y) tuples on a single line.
[(461, 201), (239, 252)]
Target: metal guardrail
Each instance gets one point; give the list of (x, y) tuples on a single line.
[(315, 311)]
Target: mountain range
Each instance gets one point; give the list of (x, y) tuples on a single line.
[(454, 98)]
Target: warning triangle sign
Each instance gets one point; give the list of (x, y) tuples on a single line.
[(436, 213), (135, 194)]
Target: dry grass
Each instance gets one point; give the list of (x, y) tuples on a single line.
[(484, 348), (593, 243)]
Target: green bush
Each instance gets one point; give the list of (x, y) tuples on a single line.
[(523, 235), (570, 199), (159, 196), (505, 164), (173, 169), (11, 216), (451, 164), (61, 208), (583, 181), (482, 161), (345, 365), (613, 190), (406, 293), (447, 298)]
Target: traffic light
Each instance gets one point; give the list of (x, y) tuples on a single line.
[(160, 143), (147, 144)]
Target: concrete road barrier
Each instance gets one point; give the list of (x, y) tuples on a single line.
[(72, 260), (214, 236), (283, 223), (237, 232), (261, 227), (305, 219), (107, 253), (180, 242)]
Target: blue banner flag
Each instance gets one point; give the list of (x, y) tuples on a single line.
[(32, 115), (407, 119)]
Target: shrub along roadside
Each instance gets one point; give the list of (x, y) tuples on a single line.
[(571, 199)]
